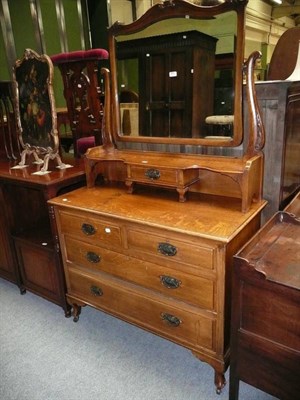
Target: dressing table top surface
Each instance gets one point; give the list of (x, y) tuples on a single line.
[(206, 216)]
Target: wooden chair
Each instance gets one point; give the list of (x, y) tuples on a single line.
[(9, 145), (83, 94)]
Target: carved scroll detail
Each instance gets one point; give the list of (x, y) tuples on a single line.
[(256, 132)]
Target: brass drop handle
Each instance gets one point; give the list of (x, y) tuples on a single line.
[(170, 319), (88, 229), (167, 249), (170, 282), (96, 291), (93, 257), (153, 174)]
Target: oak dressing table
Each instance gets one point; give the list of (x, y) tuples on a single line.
[(151, 238)]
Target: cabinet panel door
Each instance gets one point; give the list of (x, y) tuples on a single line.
[(167, 94), (154, 119), (7, 269), (37, 268), (7, 263)]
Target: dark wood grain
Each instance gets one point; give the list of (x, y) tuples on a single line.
[(30, 255), (265, 345)]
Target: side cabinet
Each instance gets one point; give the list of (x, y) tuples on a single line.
[(265, 329), (30, 255), (279, 102)]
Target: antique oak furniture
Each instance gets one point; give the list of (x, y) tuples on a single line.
[(129, 247), (265, 345), (243, 175)]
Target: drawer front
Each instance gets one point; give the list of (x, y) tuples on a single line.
[(164, 318), (189, 288), (159, 176), (170, 250), (93, 230)]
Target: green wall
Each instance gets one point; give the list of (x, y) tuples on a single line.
[(4, 72), (23, 29), (22, 26)]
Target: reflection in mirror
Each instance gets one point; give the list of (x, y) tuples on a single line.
[(183, 66), (171, 73)]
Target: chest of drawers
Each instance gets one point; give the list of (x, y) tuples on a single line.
[(155, 262)]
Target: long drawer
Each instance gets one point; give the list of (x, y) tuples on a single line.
[(155, 313), (189, 288), (162, 247)]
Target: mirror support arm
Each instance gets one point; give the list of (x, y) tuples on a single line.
[(257, 138), (107, 140)]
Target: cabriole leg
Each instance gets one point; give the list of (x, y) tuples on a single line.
[(220, 382), (76, 312)]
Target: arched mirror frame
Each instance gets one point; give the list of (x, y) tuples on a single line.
[(182, 9)]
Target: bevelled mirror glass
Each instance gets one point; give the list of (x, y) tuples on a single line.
[(177, 74)]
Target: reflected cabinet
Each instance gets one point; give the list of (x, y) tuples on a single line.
[(174, 73)]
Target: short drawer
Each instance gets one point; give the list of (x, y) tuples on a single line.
[(192, 289), (170, 250), (153, 175), (163, 317), (91, 229), (162, 176)]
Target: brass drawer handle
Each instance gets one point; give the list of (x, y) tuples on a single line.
[(93, 257), (88, 229), (152, 174), (167, 249), (96, 291), (170, 319), (170, 282)]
